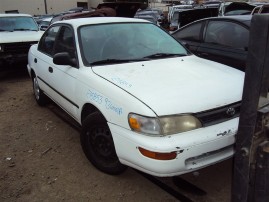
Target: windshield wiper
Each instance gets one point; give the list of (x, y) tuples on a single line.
[(115, 61), (164, 55), (4, 30), (22, 29)]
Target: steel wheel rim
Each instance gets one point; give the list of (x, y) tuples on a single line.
[(101, 143)]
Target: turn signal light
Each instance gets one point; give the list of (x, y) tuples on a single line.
[(157, 155), (134, 124)]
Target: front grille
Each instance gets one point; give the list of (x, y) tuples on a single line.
[(18, 47), (218, 115)]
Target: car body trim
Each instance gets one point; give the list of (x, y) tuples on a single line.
[(59, 93)]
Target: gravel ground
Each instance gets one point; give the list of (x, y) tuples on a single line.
[(42, 160)]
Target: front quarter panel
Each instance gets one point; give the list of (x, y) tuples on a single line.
[(31, 57), (112, 101)]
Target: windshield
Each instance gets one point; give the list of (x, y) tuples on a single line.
[(17, 24), (126, 42)]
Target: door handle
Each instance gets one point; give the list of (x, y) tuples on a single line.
[(50, 69)]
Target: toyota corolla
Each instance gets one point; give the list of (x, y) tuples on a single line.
[(141, 98)]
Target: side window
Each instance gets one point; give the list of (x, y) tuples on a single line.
[(47, 41), (228, 34), (65, 42), (191, 33)]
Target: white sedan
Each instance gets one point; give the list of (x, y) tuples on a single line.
[(141, 98)]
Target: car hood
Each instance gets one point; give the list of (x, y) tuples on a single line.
[(20, 36), (178, 85)]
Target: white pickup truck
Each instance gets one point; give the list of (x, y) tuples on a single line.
[(17, 33)]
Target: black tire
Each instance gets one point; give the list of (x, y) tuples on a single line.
[(40, 97), (97, 144)]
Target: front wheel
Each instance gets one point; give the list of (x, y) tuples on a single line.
[(40, 97), (97, 144)]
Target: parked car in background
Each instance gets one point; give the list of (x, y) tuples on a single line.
[(227, 8), (110, 9), (184, 17), (148, 12), (141, 98), (172, 9), (221, 39), (211, 4), (260, 9), (44, 24), (39, 18), (17, 33), (99, 13), (209, 9), (149, 18)]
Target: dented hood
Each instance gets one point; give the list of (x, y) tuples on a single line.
[(178, 85)]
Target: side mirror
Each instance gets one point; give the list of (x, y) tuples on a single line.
[(64, 58)]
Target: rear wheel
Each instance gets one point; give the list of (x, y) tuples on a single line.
[(97, 144), (40, 97)]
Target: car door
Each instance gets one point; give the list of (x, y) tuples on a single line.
[(43, 59), (63, 78), (190, 36), (225, 42)]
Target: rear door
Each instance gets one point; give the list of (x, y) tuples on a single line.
[(225, 42)]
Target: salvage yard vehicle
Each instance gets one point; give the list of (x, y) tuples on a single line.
[(141, 99), (220, 39), (184, 17), (17, 33), (44, 24), (261, 9), (228, 8)]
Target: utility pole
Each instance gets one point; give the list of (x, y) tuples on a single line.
[(251, 161), (45, 3)]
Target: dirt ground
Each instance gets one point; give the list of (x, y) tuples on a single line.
[(41, 159)]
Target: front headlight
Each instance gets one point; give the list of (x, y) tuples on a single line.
[(163, 125), (142, 124), (179, 124)]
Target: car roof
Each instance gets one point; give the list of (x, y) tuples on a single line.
[(99, 20), (245, 19), (14, 15)]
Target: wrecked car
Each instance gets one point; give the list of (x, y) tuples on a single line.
[(141, 99), (184, 17), (17, 33), (220, 39), (235, 8)]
